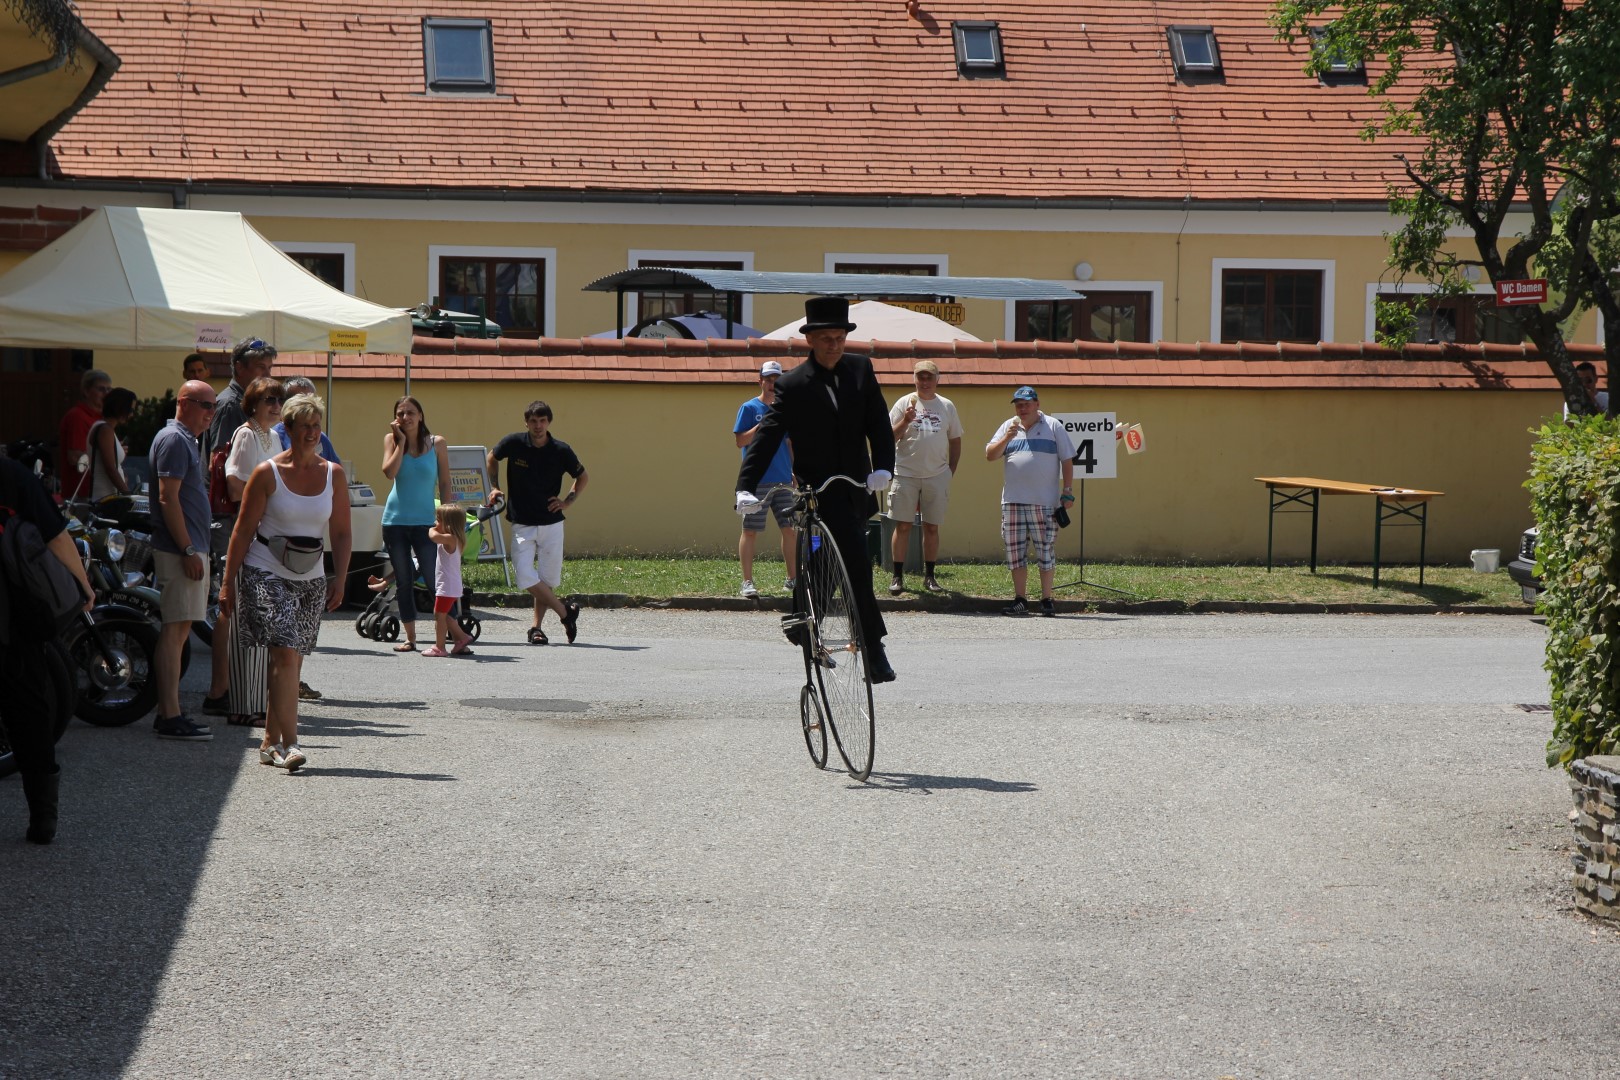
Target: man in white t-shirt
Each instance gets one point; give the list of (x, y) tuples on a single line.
[(927, 446), (1037, 454)]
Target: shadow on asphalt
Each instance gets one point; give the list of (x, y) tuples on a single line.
[(90, 921), (929, 784), (370, 774), (346, 703)]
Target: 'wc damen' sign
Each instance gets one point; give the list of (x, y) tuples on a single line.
[(1092, 434)]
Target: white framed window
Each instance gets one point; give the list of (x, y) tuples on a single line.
[(515, 286), (332, 263), (687, 301), (458, 55), (1097, 310), (1271, 299), (1194, 49), (846, 262)]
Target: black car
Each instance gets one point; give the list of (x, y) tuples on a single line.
[(1522, 569)]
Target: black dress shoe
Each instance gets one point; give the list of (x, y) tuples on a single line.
[(879, 662)]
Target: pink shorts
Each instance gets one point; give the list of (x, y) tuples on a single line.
[(443, 603)]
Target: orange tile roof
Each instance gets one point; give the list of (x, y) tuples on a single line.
[(969, 363), (823, 98)]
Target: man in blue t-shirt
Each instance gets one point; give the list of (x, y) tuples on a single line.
[(780, 472), (536, 465)]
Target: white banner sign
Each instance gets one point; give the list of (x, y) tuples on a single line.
[(1094, 449)]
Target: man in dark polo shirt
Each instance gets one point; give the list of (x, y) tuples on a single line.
[(536, 465)]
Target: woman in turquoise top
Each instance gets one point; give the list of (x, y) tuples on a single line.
[(418, 462)]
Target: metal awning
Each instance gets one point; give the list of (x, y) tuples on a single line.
[(737, 282)]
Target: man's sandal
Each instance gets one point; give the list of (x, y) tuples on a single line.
[(405, 646), (537, 636)]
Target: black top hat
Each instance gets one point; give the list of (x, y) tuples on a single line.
[(826, 313)]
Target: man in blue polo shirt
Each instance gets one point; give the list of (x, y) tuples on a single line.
[(780, 472), (1036, 452)]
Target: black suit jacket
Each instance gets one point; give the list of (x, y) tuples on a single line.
[(852, 438)]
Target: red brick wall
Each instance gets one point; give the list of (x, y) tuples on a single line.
[(25, 229)]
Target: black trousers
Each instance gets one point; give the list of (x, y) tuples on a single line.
[(846, 520), (28, 706)]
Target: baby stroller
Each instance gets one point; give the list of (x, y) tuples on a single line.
[(380, 620)]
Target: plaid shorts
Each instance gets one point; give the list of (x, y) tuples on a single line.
[(1023, 524), (780, 503)]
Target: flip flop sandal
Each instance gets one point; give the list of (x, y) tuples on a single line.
[(461, 650), (537, 636), (405, 646)]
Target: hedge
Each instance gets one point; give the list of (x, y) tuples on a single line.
[(1575, 496)]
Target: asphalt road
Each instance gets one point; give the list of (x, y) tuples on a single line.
[(1112, 846)]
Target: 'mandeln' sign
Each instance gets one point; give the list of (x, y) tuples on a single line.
[(1531, 291)]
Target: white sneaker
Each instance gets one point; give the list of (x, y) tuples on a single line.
[(748, 590)]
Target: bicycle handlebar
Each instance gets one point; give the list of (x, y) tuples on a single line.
[(795, 489)]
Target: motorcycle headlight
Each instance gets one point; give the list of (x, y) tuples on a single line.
[(111, 542)]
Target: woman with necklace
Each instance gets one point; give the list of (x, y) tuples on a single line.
[(253, 444)]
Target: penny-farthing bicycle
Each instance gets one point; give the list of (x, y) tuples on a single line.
[(824, 623)]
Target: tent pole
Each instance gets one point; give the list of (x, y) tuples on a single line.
[(329, 361)]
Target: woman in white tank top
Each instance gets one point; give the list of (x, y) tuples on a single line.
[(274, 578)]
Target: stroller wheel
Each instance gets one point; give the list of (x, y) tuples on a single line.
[(360, 624), (390, 628), (471, 626)]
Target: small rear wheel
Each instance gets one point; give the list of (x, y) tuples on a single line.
[(470, 626), (389, 628), (838, 654), (813, 720)]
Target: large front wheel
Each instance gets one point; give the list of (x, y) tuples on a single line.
[(838, 653)]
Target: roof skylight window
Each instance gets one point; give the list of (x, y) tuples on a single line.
[(1337, 64), (978, 49), (459, 55), (1194, 49)]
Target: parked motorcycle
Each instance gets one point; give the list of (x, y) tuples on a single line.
[(114, 648)]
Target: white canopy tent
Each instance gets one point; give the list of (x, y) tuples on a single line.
[(877, 321), (130, 277)]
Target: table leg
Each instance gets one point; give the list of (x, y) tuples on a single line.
[(1316, 502), (1271, 521), (1423, 538), (1378, 536)]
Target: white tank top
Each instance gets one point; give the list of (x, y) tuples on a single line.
[(287, 513)]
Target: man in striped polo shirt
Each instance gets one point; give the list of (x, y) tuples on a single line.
[(1036, 455)]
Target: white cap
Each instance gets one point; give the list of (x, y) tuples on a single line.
[(769, 368)]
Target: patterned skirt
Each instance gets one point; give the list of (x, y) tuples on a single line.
[(278, 613)]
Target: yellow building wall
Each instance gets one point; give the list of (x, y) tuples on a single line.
[(662, 462), (391, 263)]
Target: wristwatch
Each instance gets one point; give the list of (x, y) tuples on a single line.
[(190, 550)]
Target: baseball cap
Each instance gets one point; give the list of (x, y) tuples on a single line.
[(926, 365), (769, 368), (1026, 393)]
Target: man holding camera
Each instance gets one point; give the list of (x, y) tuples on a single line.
[(1036, 454)]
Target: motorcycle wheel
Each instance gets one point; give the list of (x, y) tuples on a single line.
[(115, 696)]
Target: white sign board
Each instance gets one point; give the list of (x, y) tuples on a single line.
[(1092, 434), (469, 485)]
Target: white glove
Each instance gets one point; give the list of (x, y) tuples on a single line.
[(746, 503), (878, 480)]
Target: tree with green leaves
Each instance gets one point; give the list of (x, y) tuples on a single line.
[(1514, 108)]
